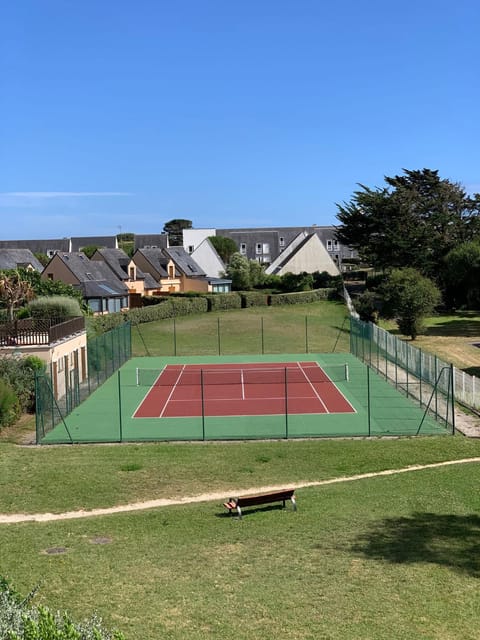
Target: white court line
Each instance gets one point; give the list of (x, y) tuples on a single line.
[(314, 390), (338, 390), (173, 389), (243, 384), (149, 390)]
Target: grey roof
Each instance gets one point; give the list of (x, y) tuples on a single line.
[(252, 235), (116, 259), (157, 259), (151, 241), (78, 243), (15, 258), (94, 276), (150, 282), (184, 262), (37, 246)]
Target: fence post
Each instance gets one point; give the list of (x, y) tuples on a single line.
[(174, 337), (452, 386), (368, 401), (261, 331), (203, 404), (286, 404), (306, 334), (120, 408)]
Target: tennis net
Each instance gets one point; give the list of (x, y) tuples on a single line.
[(187, 376)]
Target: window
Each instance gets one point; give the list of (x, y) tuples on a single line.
[(50, 253), (266, 248), (50, 276), (171, 271), (335, 245), (243, 248), (281, 241), (258, 247), (190, 248), (132, 273), (329, 245)]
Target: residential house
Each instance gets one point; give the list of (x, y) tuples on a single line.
[(19, 258), (306, 253), (61, 345), (176, 271), (150, 241), (266, 244), (193, 238), (79, 243), (101, 289), (124, 268), (45, 247)]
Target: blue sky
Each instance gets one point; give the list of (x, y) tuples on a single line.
[(123, 115)]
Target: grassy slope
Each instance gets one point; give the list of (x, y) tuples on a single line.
[(452, 338), (381, 558)]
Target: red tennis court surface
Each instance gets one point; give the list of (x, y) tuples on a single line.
[(260, 388)]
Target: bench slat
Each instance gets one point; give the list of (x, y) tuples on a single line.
[(260, 498)]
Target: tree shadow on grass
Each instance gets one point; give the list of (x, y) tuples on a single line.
[(447, 540), (466, 327)]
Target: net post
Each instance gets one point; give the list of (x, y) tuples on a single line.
[(347, 372), (218, 336), (137, 377)]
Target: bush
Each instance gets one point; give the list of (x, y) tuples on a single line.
[(9, 405), (54, 307), (20, 620), (20, 376)]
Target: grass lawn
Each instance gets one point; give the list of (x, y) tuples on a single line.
[(451, 338), (389, 557), (321, 327)]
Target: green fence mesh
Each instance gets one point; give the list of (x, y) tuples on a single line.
[(106, 353)]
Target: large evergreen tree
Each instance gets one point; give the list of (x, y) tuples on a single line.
[(175, 228), (414, 221)]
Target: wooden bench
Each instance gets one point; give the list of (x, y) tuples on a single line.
[(260, 498)]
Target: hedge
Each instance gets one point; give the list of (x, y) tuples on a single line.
[(301, 297), (254, 299), (223, 301)]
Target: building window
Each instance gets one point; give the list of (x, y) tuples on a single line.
[(50, 276), (132, 273), (258, 248), (190, 248), (266, 248), (50, 253), (335, 245), (329, 245), (243, 248), (281, 241), (171, 271)]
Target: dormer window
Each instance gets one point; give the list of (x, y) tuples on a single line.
[(131, 273)]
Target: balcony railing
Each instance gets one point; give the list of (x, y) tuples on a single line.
[(39, 331)]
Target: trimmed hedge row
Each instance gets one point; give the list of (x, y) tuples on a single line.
[(182, 306), (224, 301), (254, 299), (302, 297)]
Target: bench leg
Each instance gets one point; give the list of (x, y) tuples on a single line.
[(294, 504), (239, 511)]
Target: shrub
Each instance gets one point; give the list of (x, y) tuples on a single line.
[(20, 620), (9, 405), (54, 307), (20, 376)]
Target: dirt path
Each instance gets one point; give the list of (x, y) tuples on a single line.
[(211, 497)]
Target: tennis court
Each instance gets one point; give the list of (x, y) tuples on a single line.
[(243, 397), (254, 389)]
